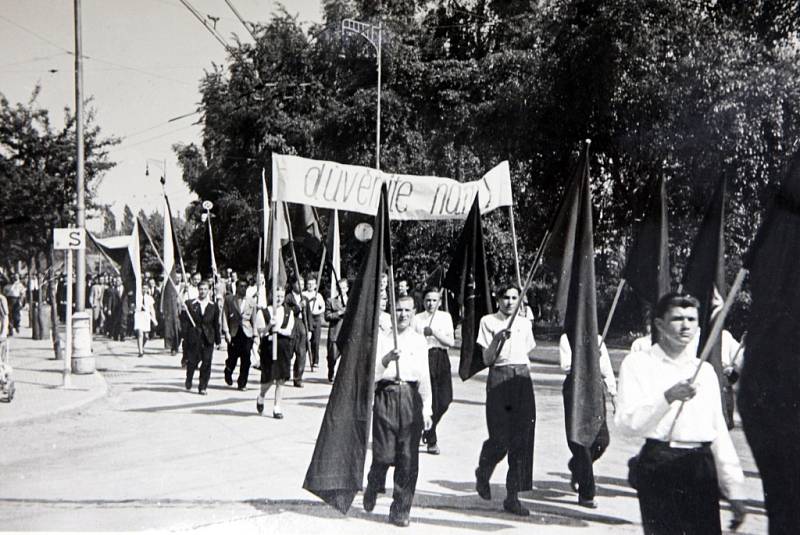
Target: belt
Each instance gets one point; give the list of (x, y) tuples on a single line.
[(386, 383), (679, 444)]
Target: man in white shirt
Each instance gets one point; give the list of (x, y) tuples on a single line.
[(684, 463), (315, 308), (580, 465), (401, 409), (510, 405), (437, 327)]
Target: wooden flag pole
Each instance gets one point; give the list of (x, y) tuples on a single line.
[(611, 312), (393, 315), (164, 267), (514, 243), (716, 331), (274, 267), (297, 277), (528, 281), (258, 272)]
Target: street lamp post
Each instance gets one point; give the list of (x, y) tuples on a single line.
[(373, 35)]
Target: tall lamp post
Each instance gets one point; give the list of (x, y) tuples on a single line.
[(373, 35), (80, 268)]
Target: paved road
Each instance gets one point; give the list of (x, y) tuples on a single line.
[(150, 455)]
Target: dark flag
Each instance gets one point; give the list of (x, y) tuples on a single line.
[(336, 471), (769, 397), (124, 251), (206, 264), (468, 279), (305, 227), (585, 406), (647, 268), (705, 279)]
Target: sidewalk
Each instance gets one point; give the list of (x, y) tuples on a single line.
[(39, 378)]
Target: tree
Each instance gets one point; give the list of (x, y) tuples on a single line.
[(37, 175)]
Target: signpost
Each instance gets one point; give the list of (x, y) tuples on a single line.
[(68, 240)]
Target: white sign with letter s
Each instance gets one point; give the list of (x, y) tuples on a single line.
[(69, 238)]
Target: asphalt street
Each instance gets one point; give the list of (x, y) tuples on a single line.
[(150, 455)]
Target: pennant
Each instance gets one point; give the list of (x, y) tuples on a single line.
[(468, 279), (586, 405), (336, 471), (333, 254), (647, 268)]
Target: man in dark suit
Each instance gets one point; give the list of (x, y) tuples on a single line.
[(202, 337), (334, 311), (238, 325)]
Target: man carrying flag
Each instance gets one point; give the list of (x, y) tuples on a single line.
[(402, 407), (510, 405)]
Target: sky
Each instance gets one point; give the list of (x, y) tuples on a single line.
[(143, 63)]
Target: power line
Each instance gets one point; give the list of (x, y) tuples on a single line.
[(203, 21), (159, 125), (165, 134), (238, 16)]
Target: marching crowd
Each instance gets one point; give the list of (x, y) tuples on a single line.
[(686, 464)]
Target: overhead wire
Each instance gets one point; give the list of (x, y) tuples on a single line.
[(205, 23), (238, 16)]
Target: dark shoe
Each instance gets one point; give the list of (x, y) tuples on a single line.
[(589, 503), (277, 415), (228, 377), (433, 449), (515, 508), (370, 496), (203, 392), (241, 388), (188, 384), (482, 486), (259, 405), (172, 352), (298, 384), (399, 521)]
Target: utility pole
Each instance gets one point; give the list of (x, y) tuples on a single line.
[(80, 271)]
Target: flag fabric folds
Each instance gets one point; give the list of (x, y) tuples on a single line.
[(336, 471), (769, 397), (305, 228), (647, 268), (206, 263), (173, 262), (704, 278), (468, 279), (124, 251), (586, 405)]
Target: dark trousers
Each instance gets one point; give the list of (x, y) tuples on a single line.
[(678, 490), (15, 310), (580, 465), (316, 332), (441, 389), (300, 351), (199, 354), (396, 429), (333, 352), (239, 351), (510, 418)]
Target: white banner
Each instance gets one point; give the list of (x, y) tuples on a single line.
[(357, 189)]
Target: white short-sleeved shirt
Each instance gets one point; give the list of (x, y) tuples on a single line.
[(413, 364), (517, 347), (441, 323)]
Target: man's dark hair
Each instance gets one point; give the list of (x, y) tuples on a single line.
[(503, 287), (431, 289), (672, 300)]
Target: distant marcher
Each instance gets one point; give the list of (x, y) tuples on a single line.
[(143, 319), (280, 322), (334, 311), (239, 326), (296, 301), (96, 303), (580, 465), (437, 327), (202, 337), (315, 308), (15, 295)]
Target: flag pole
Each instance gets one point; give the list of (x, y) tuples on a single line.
[(393, 316), (164, 267), (716, 331), (258, 271), (275, 237), (514, 243), (613, 309), (297, 274)]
